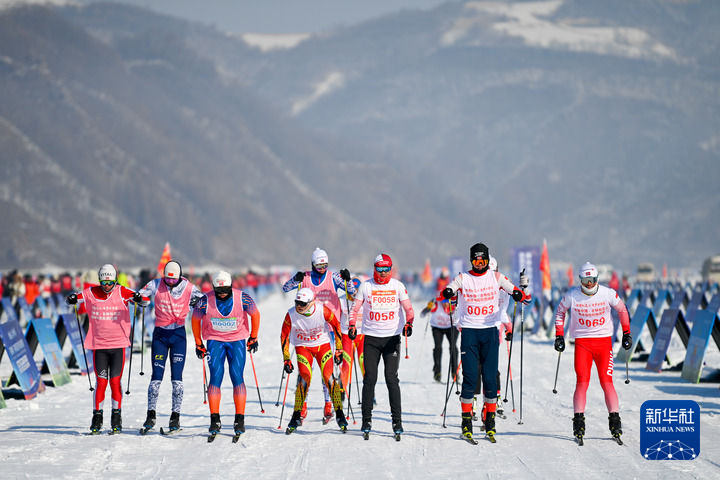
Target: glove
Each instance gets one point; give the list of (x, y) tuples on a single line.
[(626, 340), (352, 332), (520, 296), (288, 367), (338, 357), (137, 298), (560, 343), (524, 283), (447, 293), (299, 276), (71, 299), (345, 274), (407, 330), (252, 344), (508, 336), (425, 311), (200, 351)]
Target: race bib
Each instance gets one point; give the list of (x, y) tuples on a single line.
[(383, 300), (224, 324)]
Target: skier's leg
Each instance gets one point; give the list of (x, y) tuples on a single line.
[(236, 366), (117, 363), (372, 360), (437, 334), (391, 362), (583, 363), (158, 353), (216, 364), (603, 357), (178, 349)]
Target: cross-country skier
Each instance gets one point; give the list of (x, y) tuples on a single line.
[(592, 326), (305, 327), (380, 300), (347, 344), (439, 309), (479, 316), (324, 283), (220, 318), (174, 295), (108, 336)]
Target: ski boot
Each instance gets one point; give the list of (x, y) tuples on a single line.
[(215, 424), (489, 423), (437, 378), (149, 422), (397, 429), (341, 420), (615, 426), (116, 420), (366, 427), (579, 427), (294, 423), (327, 412), (97, 422), (239, 424), (174, 423), (467, 428), (500, 412)]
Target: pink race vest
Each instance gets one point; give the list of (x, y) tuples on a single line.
[(229, 328), (308, 331), (169, 310), (109, 321), (325, 292), (478, 302)]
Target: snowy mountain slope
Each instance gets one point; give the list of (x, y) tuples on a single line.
[(44, 438)]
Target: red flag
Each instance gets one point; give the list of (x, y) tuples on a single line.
[(571, 276), (426, 276), (164, 258), (664, 271), (545, 269)]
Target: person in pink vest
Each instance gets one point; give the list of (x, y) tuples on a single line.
[(221, 319), (324, 284), (174, 295), (108, 336)]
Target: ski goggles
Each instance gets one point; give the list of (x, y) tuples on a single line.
[(321, 266), (301, 304), (383, 269), (107, 283), (480, 262), (222, 291), (588, 281)]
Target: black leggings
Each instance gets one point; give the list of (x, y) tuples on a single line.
[(389, 349), (452, 334)]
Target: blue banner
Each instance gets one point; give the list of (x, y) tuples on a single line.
[(51, 351), (670, 430), (642, 316), (661, 342), (456, 265), (71, 327), (18, 350), (699, 340), (528, 258)]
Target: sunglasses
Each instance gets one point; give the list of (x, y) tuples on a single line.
[(301, 304), (320, 266), (107, 283), (480, 261), (383, 269), (588, 281)]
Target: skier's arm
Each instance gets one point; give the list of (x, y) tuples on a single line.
[(409, 312), (251, 309), (285, 337), (338, 282), (560, 316), (359, 300), (455, 284), (622, 312), (332, 320), (198, 313), (290, 285)]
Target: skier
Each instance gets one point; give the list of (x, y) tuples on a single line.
[(108, 336), (349, 345), (220, 318), (174, 295), (507, 326), (591, 325), (440, 310), (478, 317), (380, 299), (324, 283), (305, 328)]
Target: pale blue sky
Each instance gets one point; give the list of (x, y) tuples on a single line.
[(281, 16)]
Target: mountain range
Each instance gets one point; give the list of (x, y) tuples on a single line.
[(591, 124)]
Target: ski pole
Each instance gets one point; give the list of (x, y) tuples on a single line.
[(406, 347), (142, 343), (357, 379), (204, 382), (132, 342), (523, 286), (282, 378), (507, 378), (627, 370), (457, 384), (447, 382), (82, 342), (262, 410), (557, 369), (282, 410), (349, 389)]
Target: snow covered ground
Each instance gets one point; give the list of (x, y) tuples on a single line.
[(45, 437)]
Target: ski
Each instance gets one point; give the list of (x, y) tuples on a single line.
[(500, 415), (114, 431), (211, 437), (289, 430), (491, 437), (468, 438), (236, 437), (145, 430), (94, 432), (619, 442), (326, 419), (169, 431), (397, 437)]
